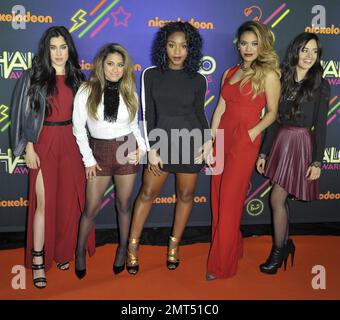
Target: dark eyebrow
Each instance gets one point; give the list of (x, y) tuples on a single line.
[(175, 42), (316, 48), (53, 45), (114, 62)]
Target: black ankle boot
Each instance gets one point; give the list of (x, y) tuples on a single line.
[(274, 261)]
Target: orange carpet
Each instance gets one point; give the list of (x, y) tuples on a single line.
[(154, 281)]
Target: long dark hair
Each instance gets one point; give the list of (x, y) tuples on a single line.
[(44, 75), (311, 81), (194, 40)]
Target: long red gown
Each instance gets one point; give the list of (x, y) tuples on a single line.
[(229, 189), (64, 184)]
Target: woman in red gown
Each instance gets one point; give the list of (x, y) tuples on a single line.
[(246, 89), (56, 177)]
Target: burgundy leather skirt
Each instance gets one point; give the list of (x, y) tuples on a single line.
[(288, 161)]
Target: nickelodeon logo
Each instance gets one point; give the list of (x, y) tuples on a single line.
[(319, 23), (329, 196), (173, 199), (89, 66), (197, 24), (28, 17), (14, 203), (323, 30)]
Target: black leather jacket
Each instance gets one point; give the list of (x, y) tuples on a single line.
[(26, 124)]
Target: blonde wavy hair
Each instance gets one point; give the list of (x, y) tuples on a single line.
[(96, 84), (267, 59)]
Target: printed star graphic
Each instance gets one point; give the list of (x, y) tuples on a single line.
[(119, 13)]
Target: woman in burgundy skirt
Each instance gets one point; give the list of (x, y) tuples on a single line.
[(296, 141), (42, 127)]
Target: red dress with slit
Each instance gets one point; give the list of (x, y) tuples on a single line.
[(64, 184), (229, 188)]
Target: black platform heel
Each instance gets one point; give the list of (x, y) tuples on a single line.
[(119, 269), (80, 273), (290, 250)]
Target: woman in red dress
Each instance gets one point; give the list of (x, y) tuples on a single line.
[(42, 126), (246, 89)]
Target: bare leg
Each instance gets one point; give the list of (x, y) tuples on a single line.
[(185, 188), (124, 188), (39, 227), (151, 187), (95, 190)]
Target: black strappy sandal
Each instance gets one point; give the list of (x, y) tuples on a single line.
[(40, 266)]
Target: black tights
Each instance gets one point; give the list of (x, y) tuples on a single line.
[(95, 190), (278, 200)]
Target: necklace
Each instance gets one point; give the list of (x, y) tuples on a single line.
[(243, 68)]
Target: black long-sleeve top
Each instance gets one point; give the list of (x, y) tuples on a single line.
[(173, 93), (314, 116)]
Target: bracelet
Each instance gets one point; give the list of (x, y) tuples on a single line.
[(262, 156)]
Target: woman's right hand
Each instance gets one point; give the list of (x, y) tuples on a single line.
[(31, 157), (260, 164), (90, 172), (155, 163)]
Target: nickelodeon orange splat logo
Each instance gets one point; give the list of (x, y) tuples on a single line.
[(257, 11)]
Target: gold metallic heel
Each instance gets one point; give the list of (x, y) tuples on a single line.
[(132, 257), (173, 261)]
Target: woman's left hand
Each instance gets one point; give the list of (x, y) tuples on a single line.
[(135, 156), (252, 134), (313, 173)]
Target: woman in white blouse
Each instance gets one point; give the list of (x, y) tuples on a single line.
[(107, 105)]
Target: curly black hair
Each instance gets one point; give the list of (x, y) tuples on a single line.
[(193, 62)]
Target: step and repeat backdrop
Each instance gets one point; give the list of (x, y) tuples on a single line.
[(133, 23)]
